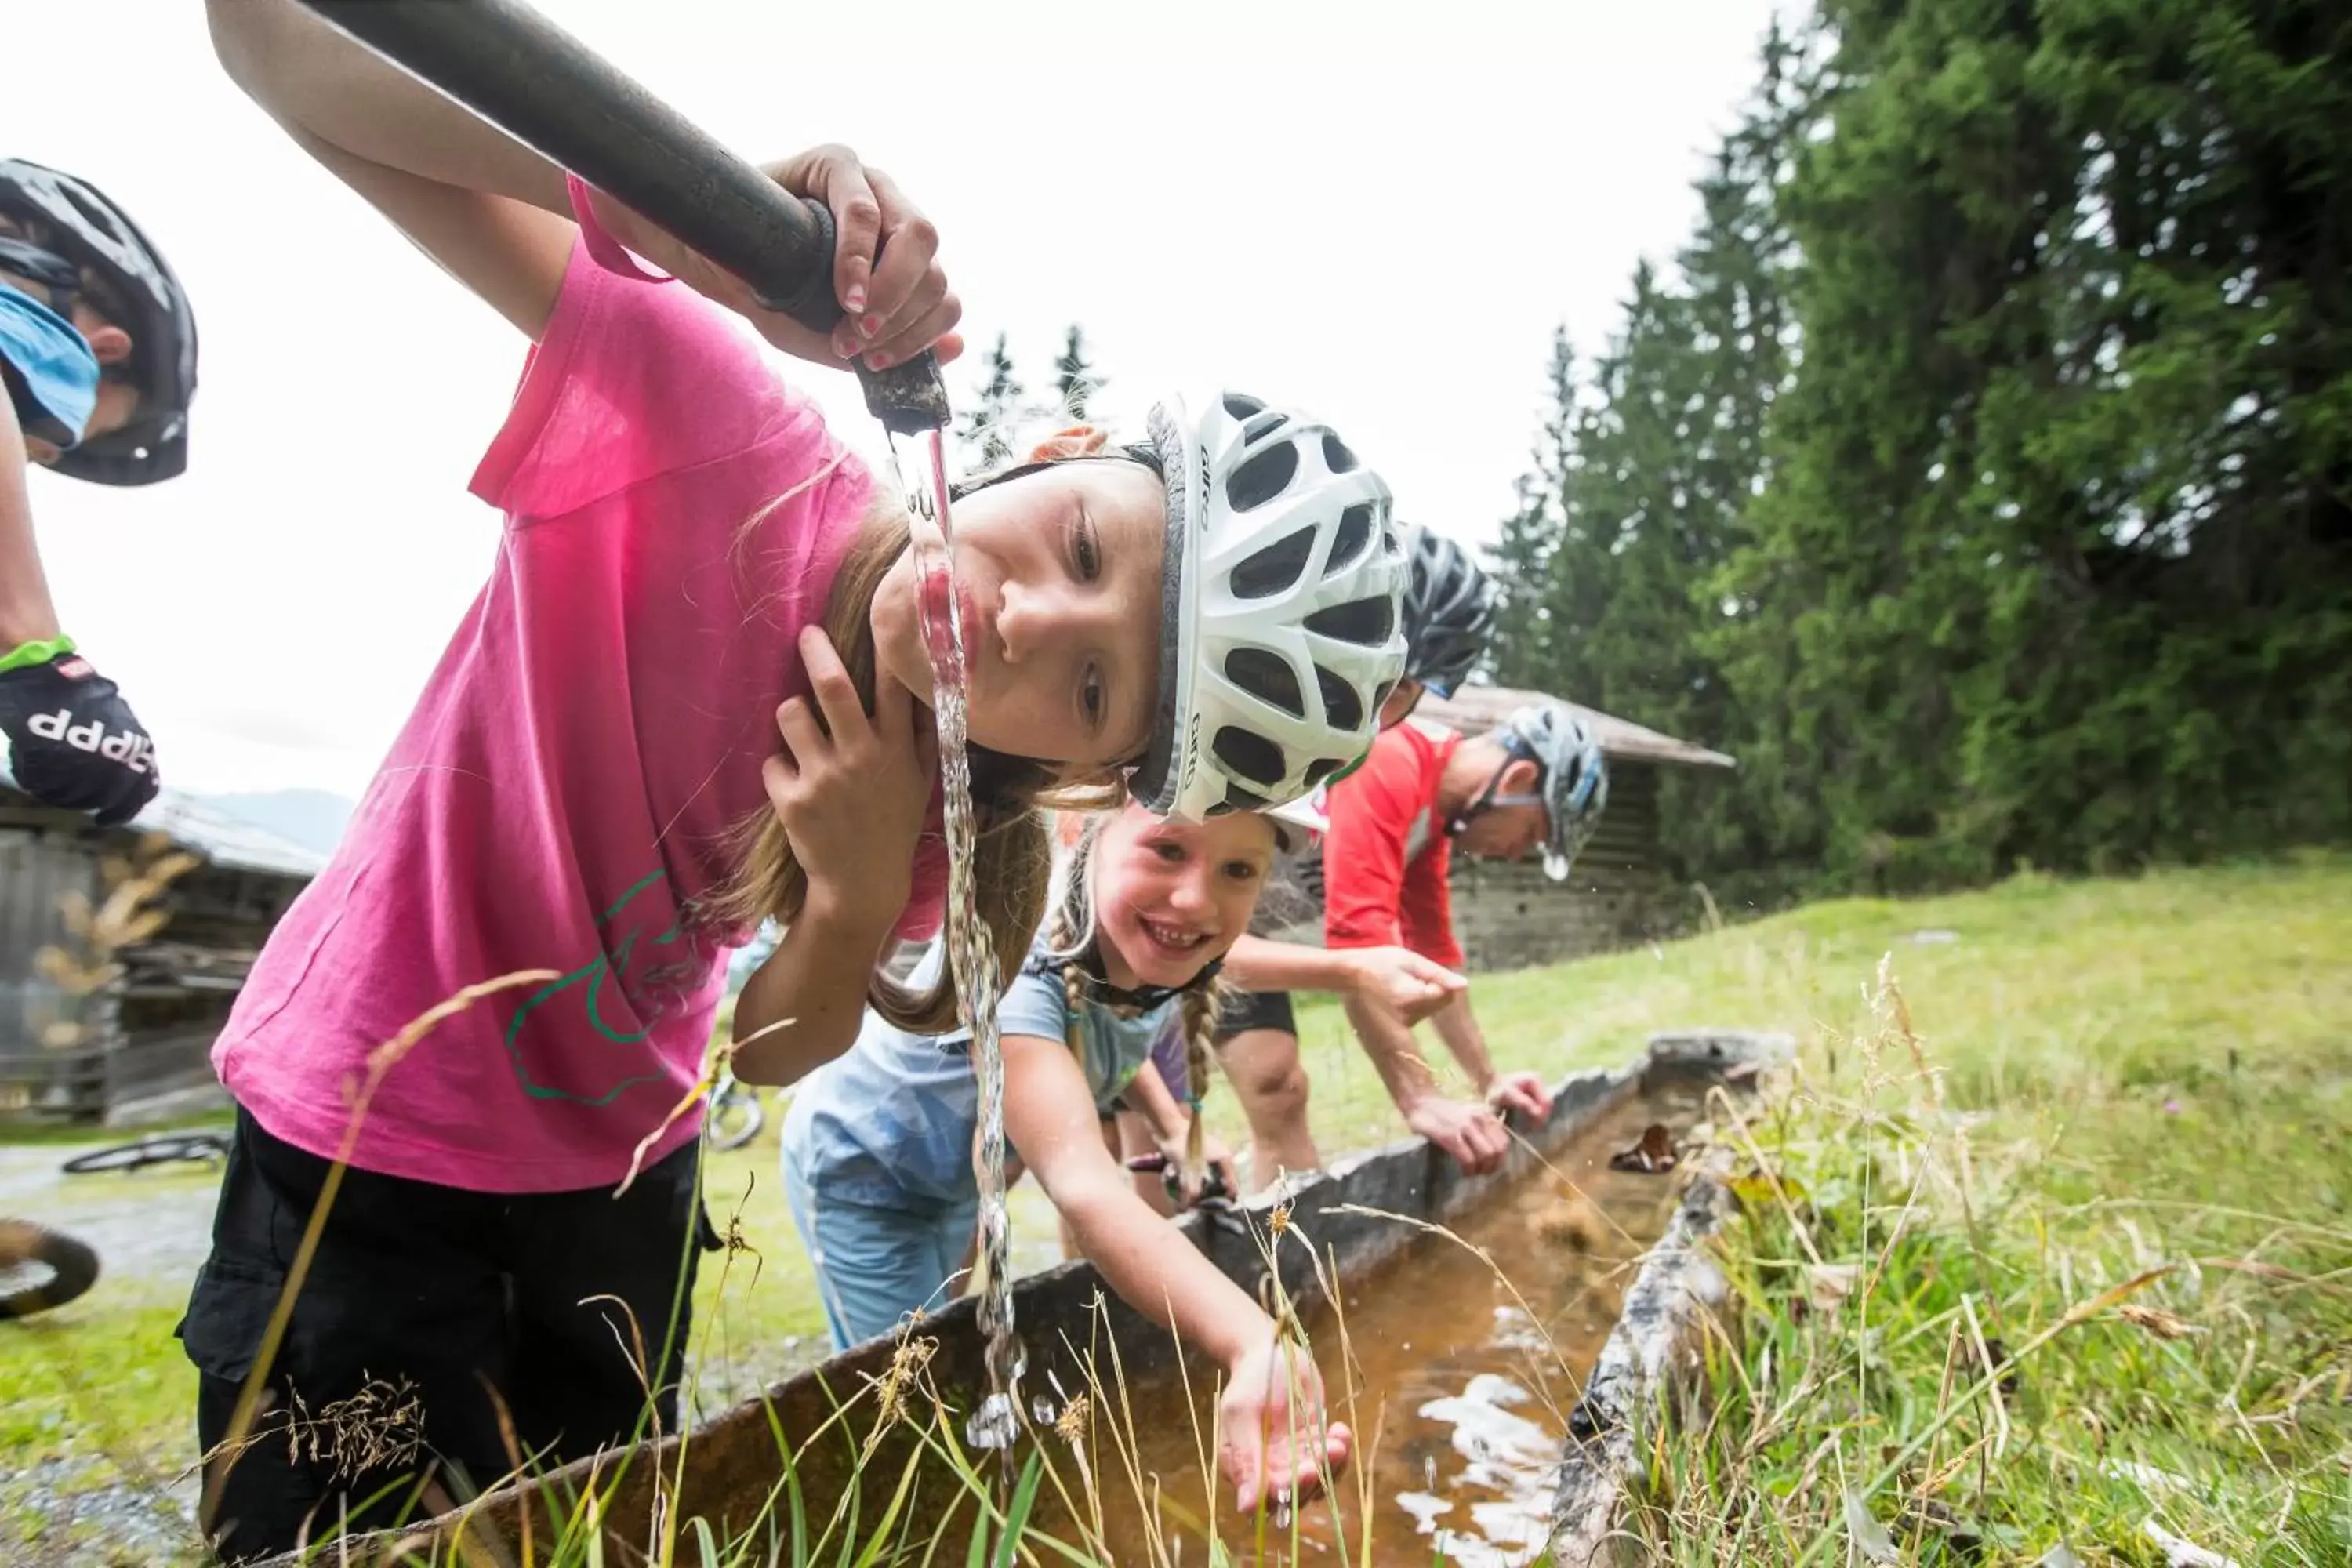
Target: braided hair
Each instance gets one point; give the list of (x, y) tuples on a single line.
[(1070, 943)]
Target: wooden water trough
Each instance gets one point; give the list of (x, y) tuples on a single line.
[(736, 1465)]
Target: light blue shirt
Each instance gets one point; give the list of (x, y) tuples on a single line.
[(891, 1121)]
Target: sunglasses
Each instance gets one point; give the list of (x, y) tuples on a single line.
[(1489, 799)]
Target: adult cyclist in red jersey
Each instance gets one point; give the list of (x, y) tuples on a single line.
[(1390, 827)]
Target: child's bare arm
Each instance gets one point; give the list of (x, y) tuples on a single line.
[(1049, 1116), (802, 1007), (851, 793), (1147, 1094), (1400, 978), (496, 215), (26, 613), (1171, 1127), (478, 202), (1274, 1435)]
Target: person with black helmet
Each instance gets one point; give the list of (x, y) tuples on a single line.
[(1390, 953), (1449, 618), (97, 348)]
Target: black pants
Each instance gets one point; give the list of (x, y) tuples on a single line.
[(421, 1301), (1247, 1010)]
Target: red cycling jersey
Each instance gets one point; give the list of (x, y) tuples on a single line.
[(1386, 856)]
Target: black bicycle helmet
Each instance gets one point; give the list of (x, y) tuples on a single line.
[(1449, 612), (87, 230)]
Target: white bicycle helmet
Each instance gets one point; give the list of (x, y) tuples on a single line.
[(1280, 633)]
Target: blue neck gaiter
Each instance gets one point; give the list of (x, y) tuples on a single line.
[(52, 374)]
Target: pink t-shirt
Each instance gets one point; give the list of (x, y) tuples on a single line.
[(569, 780)]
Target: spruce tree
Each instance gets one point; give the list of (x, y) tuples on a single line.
[(1075, 381), (990, 426)]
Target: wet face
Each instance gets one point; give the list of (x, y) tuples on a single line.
[(1171, 896), (1060, 575)]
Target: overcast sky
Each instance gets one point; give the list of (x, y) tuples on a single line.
[(1378, 211)]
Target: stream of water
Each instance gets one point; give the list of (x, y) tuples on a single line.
[(1456, 1379), (921, 465)]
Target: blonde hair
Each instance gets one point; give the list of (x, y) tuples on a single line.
[(1011, 859), (1202, 998)]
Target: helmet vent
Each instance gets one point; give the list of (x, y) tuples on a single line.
[(1336, 455), (1355, 532), (1276, 567), (1366, 622), (1322, 768), (1265, 676), (96, 217), (1241, 406), (1261, 478), (1253, 757), (1342, 709), (1239, 799), (1264, 424)]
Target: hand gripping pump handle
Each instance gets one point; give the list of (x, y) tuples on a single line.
[(536, 82)]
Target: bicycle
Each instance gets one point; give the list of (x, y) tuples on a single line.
[(162, 1149), (734, 1115), (1212, 1181), (41, 1268)]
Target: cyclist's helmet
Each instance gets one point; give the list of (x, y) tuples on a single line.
[(1281, 633), (1575, 780), (79, 228), (1449, 612)]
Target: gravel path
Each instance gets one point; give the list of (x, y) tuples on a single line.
[(150, 1227)]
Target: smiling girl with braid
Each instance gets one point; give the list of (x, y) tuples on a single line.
[(877, 1158)]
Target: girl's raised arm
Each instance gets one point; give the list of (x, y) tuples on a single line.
[(474, 199), (496, 214), (1273, 1438)]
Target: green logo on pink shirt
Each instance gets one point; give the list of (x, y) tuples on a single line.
[(619, 995)]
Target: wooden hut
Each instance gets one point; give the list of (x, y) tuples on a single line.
[(105, 1010), (1509, 915)]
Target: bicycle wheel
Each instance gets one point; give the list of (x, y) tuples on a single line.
[(735, 1118), (158, 1151), (41, 1268)]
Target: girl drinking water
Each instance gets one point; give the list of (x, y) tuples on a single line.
[(690, 694), (877, 1147)]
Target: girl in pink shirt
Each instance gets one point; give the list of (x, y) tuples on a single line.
[(691, 695)]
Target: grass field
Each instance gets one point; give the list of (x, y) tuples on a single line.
[(2128, 1075)]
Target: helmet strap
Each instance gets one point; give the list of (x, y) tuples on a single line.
[(1138, 998)]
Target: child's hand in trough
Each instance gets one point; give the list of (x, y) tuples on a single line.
[(1276, 1440)]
